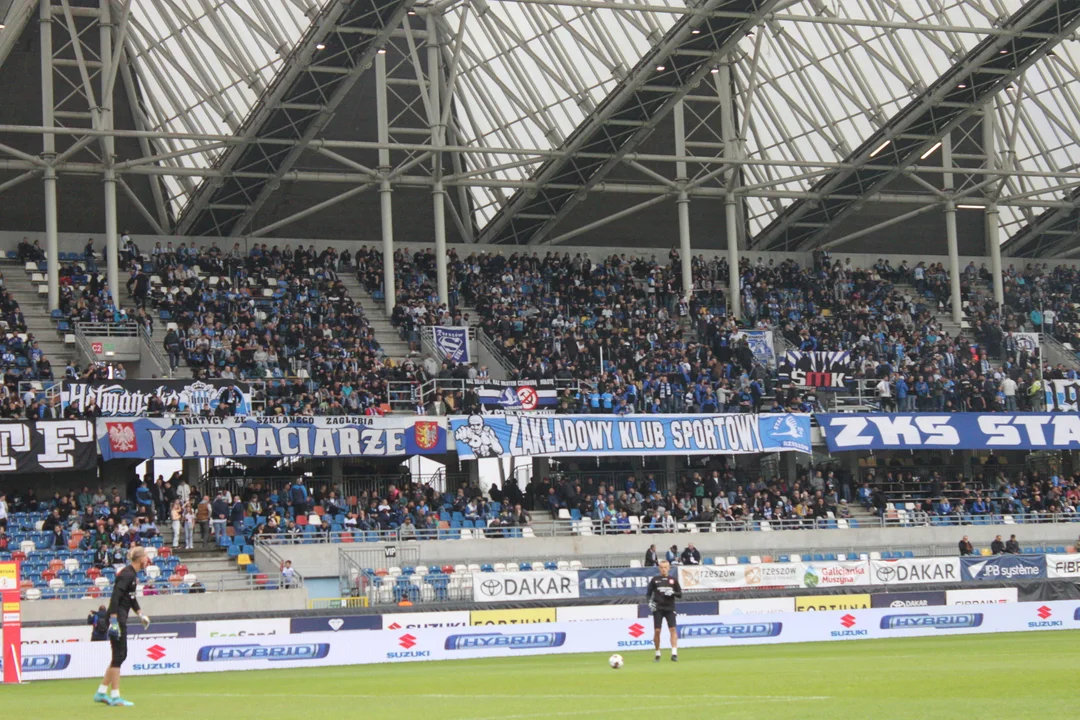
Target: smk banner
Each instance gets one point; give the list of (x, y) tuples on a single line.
[(343, 436), (498, 396), (484, 436), (452, 343), (953, 431), (819, 370), (47, 446), (131, 398)]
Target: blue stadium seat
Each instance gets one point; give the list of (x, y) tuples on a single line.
[(744, 560)]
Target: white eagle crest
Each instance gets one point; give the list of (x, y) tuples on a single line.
[(122, 437)]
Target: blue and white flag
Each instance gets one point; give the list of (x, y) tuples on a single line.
[(486, 436), (761, 345), (952, 431), (452, 343)]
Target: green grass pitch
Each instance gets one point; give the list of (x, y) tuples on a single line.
[(1015, 676)]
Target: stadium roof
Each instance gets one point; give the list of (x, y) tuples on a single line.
[(558, 115)]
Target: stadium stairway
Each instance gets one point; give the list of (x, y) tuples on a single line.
[(38, 323), (944, 317), (375, 312), (211, 565)]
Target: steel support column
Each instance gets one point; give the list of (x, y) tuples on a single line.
[(438, 134), (950, 231), (683, 203), (731, 222), (112, 250), (52, 248), (992, 218), (385, 192)]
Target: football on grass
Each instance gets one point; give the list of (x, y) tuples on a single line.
[(615, 661)]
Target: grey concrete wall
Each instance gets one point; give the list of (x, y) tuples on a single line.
[(185, 606), (322, 560)]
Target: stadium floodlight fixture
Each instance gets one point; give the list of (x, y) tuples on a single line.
[(961, 86), (931, 151), (660, 67), (320, 46), (969, 207), (880, 147)]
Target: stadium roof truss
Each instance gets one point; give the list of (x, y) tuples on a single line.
[(804, 111)]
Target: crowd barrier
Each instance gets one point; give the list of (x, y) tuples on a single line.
[(154, 654)]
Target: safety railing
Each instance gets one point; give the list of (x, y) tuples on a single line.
[(82, 344), (48, 392), (587, 527), (296, 581), (496, 352), (157, 356)]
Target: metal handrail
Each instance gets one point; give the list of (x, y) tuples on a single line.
[(587, 527), (107, 329), (156, 355), (496, 352), (280, 563), (83, 345)]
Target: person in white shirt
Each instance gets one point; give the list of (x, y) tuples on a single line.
[(3, 511), (884, 393), (1008, 388)]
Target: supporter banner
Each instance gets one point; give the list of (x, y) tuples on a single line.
[(982, 596), (615, 582), (518, 616), (47, 446), (544, 585), (1062, 395), (452, 342), (481, 436), (332, 436), (1058, 566), (497, 396), (997, 568), (908, 599), (761, 345), (915, 571), (821, 370), (955, 431), (815, 603), (1027, 342), (130, 398), (322, 649)]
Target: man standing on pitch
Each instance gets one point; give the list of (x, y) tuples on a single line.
[(123, 601), (661, 595)]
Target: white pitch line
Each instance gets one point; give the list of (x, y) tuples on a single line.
[(443, 696)]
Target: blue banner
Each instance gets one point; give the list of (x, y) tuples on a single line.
[(615, 582), (335, 624), (998, 568), (332, 436), (452, 343), (953, 431), (908, 599), (479, 436)]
